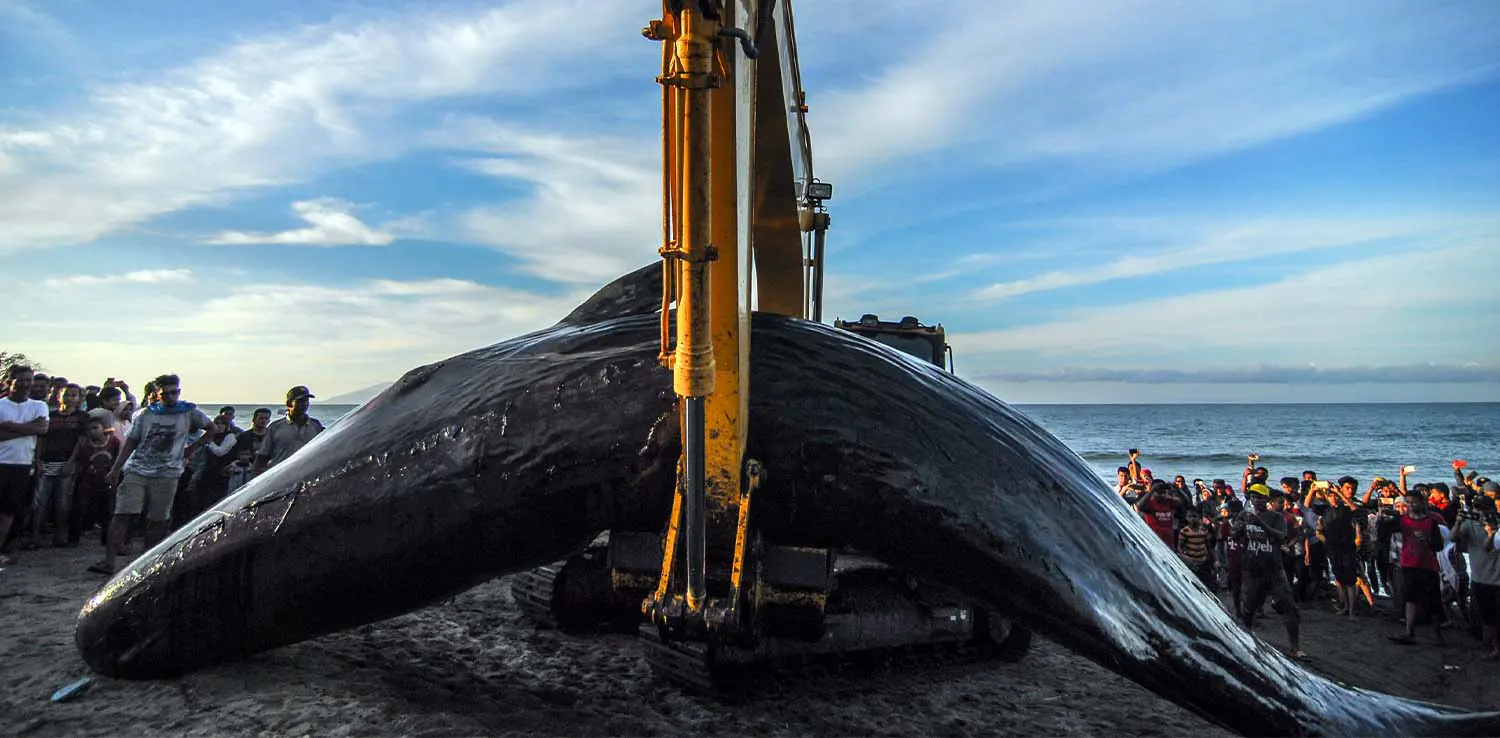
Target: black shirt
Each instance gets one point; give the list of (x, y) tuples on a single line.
[(1263, 534), (1338, 529), (250, 440)]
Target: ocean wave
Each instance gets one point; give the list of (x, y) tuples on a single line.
[(1309, 461)]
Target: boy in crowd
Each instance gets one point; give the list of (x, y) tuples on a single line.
[(93, 457), (1195, 544), (242, 469), (54, 490), (108, 410)]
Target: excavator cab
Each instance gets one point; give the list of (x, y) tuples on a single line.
[(908, 335)]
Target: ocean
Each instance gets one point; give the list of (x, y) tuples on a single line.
[(1211, 441)]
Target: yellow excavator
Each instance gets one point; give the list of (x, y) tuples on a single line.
[(744, 221)]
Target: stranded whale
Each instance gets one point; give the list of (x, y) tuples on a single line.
[(518, 454)]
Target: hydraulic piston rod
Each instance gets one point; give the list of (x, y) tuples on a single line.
[(693, 366)]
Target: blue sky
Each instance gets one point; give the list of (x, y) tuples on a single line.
[(1103, 201)]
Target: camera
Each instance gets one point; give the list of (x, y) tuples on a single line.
[(1487, 517)]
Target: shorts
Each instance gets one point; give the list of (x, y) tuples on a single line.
[(16, 488), (1258, 585), (1345, 567), (1420, 586), (154, 495), (1487, 602)]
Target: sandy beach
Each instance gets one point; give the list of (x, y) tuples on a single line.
[(474, 666)]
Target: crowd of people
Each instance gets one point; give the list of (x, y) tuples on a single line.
[(1429, 546), (79, 459)]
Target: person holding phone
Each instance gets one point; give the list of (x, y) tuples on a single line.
[(1340, 534), (1421, 539)]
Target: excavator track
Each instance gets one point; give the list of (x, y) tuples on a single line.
[(534, 592), (575, 595)]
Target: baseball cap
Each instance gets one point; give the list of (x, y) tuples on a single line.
[(299, 392), (1259, 489), (1491, 488)]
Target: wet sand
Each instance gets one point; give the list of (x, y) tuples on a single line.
[(474, 666)]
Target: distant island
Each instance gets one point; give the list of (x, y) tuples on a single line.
[(356, 397)]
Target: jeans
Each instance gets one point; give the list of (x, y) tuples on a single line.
[(52, 491)]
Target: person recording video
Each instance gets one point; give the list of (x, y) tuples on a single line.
[(1421, 539), (1475, 536)]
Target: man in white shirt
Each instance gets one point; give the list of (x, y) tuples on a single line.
[(22, 419)]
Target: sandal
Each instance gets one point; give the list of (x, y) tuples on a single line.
[(101, 567), (1403, 639)]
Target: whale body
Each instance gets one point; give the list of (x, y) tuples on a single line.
[(519, 454)]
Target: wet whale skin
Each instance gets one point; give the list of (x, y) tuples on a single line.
[(517, 454)]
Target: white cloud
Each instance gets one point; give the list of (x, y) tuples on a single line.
[(1227, 243), (1428, 303), (593, 206), (332, 224), (277, 109), (1429, 373), (144, 276), (1135, 83), (250, 341)]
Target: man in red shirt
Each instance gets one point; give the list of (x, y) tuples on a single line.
[(1421, 539), (1159, 509)]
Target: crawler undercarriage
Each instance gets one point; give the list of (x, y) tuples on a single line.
[(815, 612)]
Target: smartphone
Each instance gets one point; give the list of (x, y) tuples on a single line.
[(1320, 485), (1459, 463), (1409, 468)]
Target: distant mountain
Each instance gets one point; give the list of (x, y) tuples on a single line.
[(357, 396)]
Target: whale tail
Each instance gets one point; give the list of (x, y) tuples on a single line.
[(1448, 723), (1382, 714)]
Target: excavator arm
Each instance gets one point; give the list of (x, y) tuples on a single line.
[(742, 230), (736, 164)]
